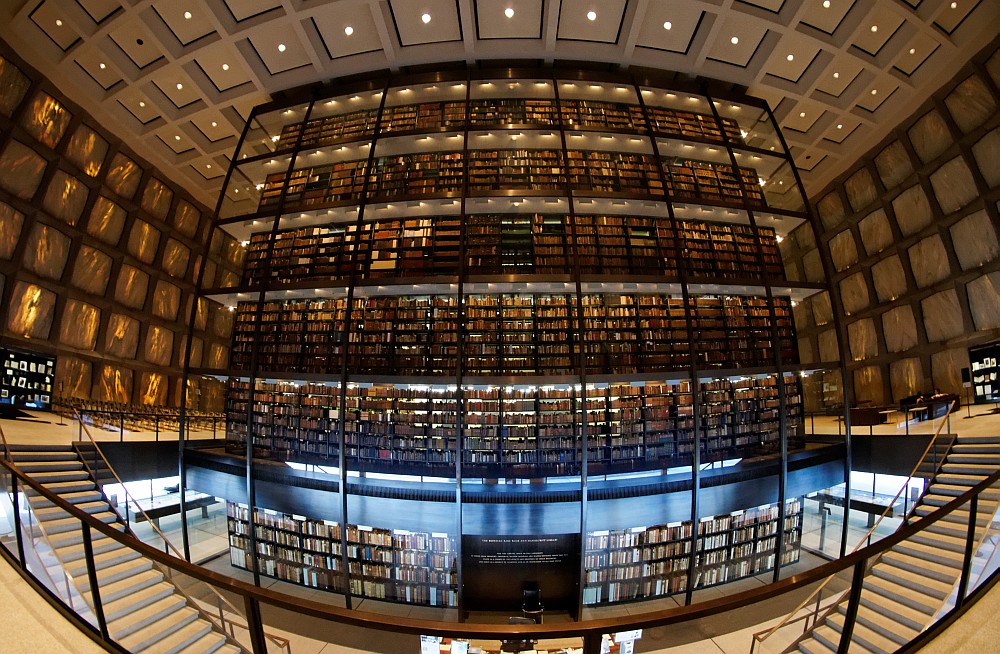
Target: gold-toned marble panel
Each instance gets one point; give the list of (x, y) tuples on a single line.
[(793, 271), (166, 300), (156, 198), (993, 67), (65, 198), (186, 218), (971, 104), (984, 301), (197, 351), (861, 189), (143, 241), (21, 169), (812, 266), (208, 281), (802, 314), (863, 341), (73, 377), (233, 251), (159, 345), (828, 350), (46, 119), (87, 149), (114, 385), (889, 279), (987, 153), (123, 176), (804, 236), (953, 185), (843, 250), (912, 210), (893, 165), (906, 377), (122, 339), (929, 261), (946, 370), (942, 316), (222, 322), (46, 251), (876, 233), (106, 221), (91, 271), (212, 395), (899, 328), (153, 389), (854, 293), (11, 221), (201, 315), (80, 322), (13, 85), (31, 311), (831, 210), (218, 356), (929, 136), (975, 239), (130, 289), (822, 308), (807, 350), (176, 256), (228, 279), (868, 385)]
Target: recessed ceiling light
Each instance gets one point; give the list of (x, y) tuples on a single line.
[(840, 126), (913, 51), (281, 47), (187, 15), (180, 87), (215, 124), (874, 91), (826, 4), (58, 23), (208, 165), (790, 57), (509, 12), (591, 15), (102, 65), (836, 76), (348, 30), (735, 40), (225, 66), (141, 104), (177, 137), (426, 18), (954, 5), (874, 28), (667, 25), (802, 114)]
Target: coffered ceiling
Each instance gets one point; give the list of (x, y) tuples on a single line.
[(176, 79)]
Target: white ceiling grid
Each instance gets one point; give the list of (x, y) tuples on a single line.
[(176, 79)]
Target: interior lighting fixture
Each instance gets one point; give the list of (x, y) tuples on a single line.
[(667, 25), (225, 66), (591, 15), (58, 23), (102, 65), (348, 30), (790, 57), (426, 18), (509, 12), (735, 40), (874, 28), (187, 15), (281, 47)]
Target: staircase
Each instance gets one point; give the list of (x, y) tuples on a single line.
[(910, 584), (144, 611)]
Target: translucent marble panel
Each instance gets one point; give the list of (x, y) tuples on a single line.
[(186, 218), (987, 154), (159, 346), (123, 176), (228, 279), (913, 210), (143, 241), (942, 316), (843, 250), (156, 198), (130, 289), (828, 350), (946, 370), (65, 198), (13, 85), (802, 314), (21, 169), (232, 251), (928, 261), (970, 104), (831, 210), (930, 136), (868, 385), (72, 377), (122, 339), (31, 311), (993, 67), (953, 185), (175, 258), (11, 221), (46, 251), (208, 281), (861, 189), (807, 350), (906, 377), (822, 309), (984, 301), (106, 221), (222, 322), (889, 279), (899, 329), (854, 293), (975, 240), (80, 322), (893, 165), (804, 236), (46, 119), (793, 272), (91, 271), (87, 150), (197, 351), (166, 300), (201, 315), (218, 356), (863, 341), (876, 234), (812, 265), (152, 389), (114, 385)]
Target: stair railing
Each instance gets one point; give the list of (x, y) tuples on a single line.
[(169, 547), (818, 612)]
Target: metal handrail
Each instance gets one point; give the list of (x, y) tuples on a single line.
[(763, 635)]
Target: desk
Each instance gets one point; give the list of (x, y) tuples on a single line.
[(919, 411), (874, 504), (164, 505)]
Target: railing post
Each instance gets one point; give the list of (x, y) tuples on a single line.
[(95, 591), (970, 540), (17, 520), (857, 581), (157, 429), (255, 625), (592, 643), (121, 427)]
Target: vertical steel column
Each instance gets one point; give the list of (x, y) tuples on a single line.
[(970, 541), (857, 583), (95, 589), (255, 625)]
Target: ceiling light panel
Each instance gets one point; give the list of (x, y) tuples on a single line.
[(748, 33), (792, 56), (839, 75), (443, 25), (187, 30), (525, 21), (684, 19), (826, 19), (243, 9), (214, 126), (574, 25), (168, 79), (138, 104), (875, 94), (803, 116), (841, 129), (95, 64), (877, 28), (915, 53), (949, 18), (279, 47), (50, 18), (99, 9), (357, 16), (224, 65), (174, 139), (771, 5), (136, 41)]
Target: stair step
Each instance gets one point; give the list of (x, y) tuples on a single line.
[(153, 634), (144, 615), (75, 552), (52, 513), (75, 537), (110, 575), (227, 648), (971, 449), (76, 498), (185, 638), (138, 598), (883, 622), (954, 490), (37, 467), (825, 639), (21, 449), (63, 487), (889, 609), (134, 582), (815, 645), (209, 643), (60, 525), (941, 542), (956, 465), (977, 440), (932, 569), (929, 553), (956, 479), (958, 516), (48, 479), (916, 600), (863, 635), (916, 582), (103, 560)]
